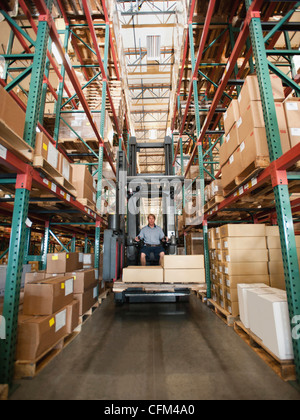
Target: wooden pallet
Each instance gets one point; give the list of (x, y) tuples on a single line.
[(26, 369), (250, 172), (14, 143), (222, 313), (120, 287), (213, 202), (87, 315), (283, 368), (87, 203), (4, 392)]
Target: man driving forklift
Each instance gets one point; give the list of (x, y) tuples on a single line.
[(152, 236)]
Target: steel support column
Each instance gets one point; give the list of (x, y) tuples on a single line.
[(279, 181)]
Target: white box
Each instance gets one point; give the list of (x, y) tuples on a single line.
[(256, 310), (242, 298), (275, 325)]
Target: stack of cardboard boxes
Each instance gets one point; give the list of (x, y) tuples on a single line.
[(53, 302), (84, 183), (239, 256), (245, 139), (49, 314), (184, 269)]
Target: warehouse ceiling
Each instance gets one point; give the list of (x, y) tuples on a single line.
[(149, 39)]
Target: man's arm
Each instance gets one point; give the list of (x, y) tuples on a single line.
[(140, 236)]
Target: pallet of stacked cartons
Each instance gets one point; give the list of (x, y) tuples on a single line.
[(63, 262), (276, 269), (48, 317), (12, 125), (244, 259), (214, 194), (245, 150)]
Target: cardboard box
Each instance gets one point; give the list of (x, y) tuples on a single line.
[(245, 255), (275, 254), (143, 274), (251, 91), (231, 294), (184, 276), (83, 181), (254, 147), (272, 231), (292, 112), (242, 230), (255, 242), (231, 143), (245, 268), (183, 262), (277, 281), (63, 262), (232, 307), (38, 275), (231, 115), (45, 149), (232, 168), (243, 302), (38, 334), (83, 279), (251, 118), (195, 244), (87, 299), (11, 114), (65, 168), (73, 310), (45, 297), (89, 260), (233, 281), (273, 242)]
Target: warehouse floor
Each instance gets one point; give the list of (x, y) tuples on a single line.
[(156, 352)]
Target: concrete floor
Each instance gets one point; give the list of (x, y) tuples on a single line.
[(156, 352)]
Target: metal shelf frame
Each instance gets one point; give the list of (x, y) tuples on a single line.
[(26, 175), (261, 46)]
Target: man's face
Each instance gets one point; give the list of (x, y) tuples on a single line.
[(151, 221)]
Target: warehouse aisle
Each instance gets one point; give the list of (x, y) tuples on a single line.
[(156, 352)]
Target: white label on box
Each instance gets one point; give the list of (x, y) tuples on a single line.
[(53, 188), (242, 147), (225, 115), (227, 283), (225, 244), (228, 258), (227, 138), (3, 152), (231, 159), (220, 269), (95, 292), (292, 106), (228, 296), (69, 287), (66, 169), (239, 123), (60, 320), (240, 98), (52, 156), (295, 132), (226, 270)]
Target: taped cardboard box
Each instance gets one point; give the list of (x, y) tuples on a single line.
[(65, 168), (38, 334), (245, 268), (242, 230), (274, 242), (46, 150), (277, 281), (73, 313), (233, 281), (184, 276), (231, 143), (183, 262), (232, 168), (63, 262), (45, 297), (231, 115), (251, 91), (143, 275), (87, 299), (83, 279), (232, 307), (245, 255), (239, 243)]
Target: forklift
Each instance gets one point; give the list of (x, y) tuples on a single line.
[(120, 247)]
